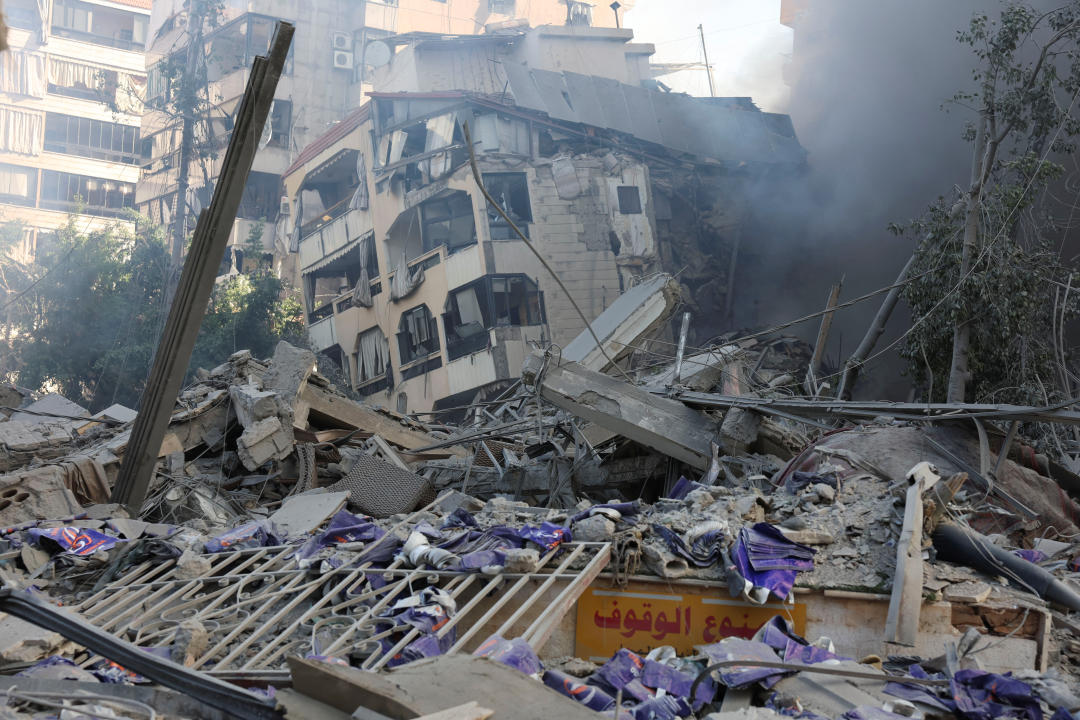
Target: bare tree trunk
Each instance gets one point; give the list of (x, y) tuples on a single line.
[(853, 366), (188, 97), (958, 372)]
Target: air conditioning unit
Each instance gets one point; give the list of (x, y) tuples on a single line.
[(342, 41), (343, 60), (285, 208)]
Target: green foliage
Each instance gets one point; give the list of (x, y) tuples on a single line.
[(1018, 293), (92, 321)]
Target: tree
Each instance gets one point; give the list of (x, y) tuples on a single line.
[(89, 326), (990, 294)]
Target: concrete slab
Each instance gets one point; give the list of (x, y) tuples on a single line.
[(301, 514)]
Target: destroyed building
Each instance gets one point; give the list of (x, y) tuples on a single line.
[(424, 295), (71, 88), (337, 41)]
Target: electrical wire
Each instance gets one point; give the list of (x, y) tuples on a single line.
[(528, 244)]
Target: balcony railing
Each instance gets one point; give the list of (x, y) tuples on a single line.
[(122, 43), (326, 218)]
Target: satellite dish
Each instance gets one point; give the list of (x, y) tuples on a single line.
[(377, 53)]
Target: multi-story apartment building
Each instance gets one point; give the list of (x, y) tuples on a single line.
[(71, 87), (423, 294), (336, 46)]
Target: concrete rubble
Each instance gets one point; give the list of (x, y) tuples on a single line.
[(319, 558)]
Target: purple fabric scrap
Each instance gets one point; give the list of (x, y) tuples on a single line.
[(623, 672), (981, 695), (778, 582), (1032, 556), (249, 535), (707, 549), (460, 518), (768, 549), (73, 540), (683, 488), (590, 696), (780, 636), (733, 648), (664, 677), (869, 712), (627, 509), (420, 648), (480, 559), (516, 653), (548, 536), (667, 707)]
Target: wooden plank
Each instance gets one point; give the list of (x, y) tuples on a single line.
[(905, 605), (197, 280), (342, 411), (811, 383)]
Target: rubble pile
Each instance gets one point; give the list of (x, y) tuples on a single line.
[(300, 550)]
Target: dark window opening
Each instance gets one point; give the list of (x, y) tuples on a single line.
[(280, 123), (629, 200), (418, 334), (92, 138), (324, 286), (100, 25), (448, 221), (262, 197), (63, 191), (492, 301), (511, 192), (545, 144)]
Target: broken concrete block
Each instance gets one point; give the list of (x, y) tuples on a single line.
[(301, 514), (24, 642), (252, 404), (36, 494), (739, 430), (522, 560), (808, 537), (288, 374), (53, 404), (827, 493), (968, 592), (594, 529), (265, 440)]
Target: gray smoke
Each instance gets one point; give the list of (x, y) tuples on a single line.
[(869, 82)]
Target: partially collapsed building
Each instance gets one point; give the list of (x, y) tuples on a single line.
[(423, 294)]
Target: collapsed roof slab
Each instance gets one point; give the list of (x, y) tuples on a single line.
[(634, 314), (667, 426)]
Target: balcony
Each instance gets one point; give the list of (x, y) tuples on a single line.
[(322, 333), (331, 237), (123, 43)]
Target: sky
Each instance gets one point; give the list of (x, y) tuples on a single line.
[(745, 40)]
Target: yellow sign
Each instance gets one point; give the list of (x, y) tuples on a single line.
[(608, 620)]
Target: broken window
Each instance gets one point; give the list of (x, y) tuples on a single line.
[(327, 191), (418, 334), (503, 7), (92, 138), (511, 192), (98, 24), (262, 197), (467, 318), (372, 356), (492, 301), (18, 185), (64, 191), (629, 200), (448, 221), (280, 123), (515, 301)]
